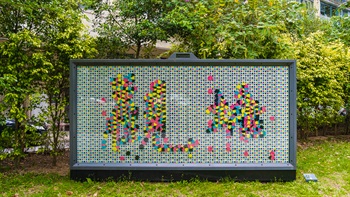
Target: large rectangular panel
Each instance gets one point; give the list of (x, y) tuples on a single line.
[(185, 114)]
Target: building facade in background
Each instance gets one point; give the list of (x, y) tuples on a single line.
[(328, 8)]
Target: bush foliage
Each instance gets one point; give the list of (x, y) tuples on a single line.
[(322, 76)]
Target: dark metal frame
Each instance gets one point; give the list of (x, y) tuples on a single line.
[(170, 172)]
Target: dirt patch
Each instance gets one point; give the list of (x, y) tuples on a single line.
[(38, 163), (331, 137), (311, 141)]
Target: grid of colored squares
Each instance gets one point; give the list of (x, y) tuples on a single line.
[(171, 123), (244, 114), (122, 121)]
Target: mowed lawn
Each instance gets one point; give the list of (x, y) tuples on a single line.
[(328, 159)]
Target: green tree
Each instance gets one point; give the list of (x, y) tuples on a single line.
[(22, 69), (64, 39), (322, 75), (110, 46), (130, 24), (337, 30), (238, 29), (42, 37)]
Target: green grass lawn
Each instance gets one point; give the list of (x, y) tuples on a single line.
[(329, 160)]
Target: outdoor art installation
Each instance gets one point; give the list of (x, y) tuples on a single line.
[(174, 119)]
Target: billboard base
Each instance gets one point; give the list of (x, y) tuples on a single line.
[(177, 175)]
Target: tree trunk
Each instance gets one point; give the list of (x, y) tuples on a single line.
[(20, 131), (307, 129), (301, 133), (323, 130), (347, 123), (54, 160), (138, 50), (56, 128), (55, 136)]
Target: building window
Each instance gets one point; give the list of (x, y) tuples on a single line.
[(328, 10), (337, 1), (346, 13)]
